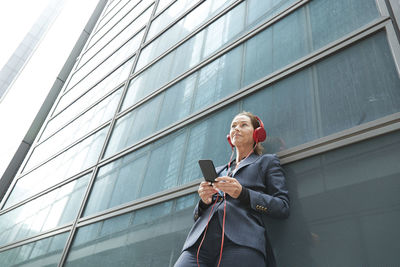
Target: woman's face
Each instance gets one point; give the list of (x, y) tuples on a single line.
[(242, 131)]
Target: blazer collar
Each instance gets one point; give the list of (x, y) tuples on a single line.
[(250, 159)]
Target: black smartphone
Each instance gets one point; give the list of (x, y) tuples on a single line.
[(208, 170)]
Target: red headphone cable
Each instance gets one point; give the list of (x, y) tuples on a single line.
[(223, 220), (205, 231)]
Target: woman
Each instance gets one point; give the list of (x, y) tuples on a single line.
[(229, 228)]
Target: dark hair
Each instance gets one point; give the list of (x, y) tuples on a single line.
[(254, 122)]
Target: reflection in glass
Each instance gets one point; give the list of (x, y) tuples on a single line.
[(164, 164), (179, 30), (152, 236), (116, 38), (51, 210), (168, 16), (117, 183), (120, 20), (137, 123), (87, 122), (86, 97), (77, 158), (314, 103), (46, 252), (111, 10), (344, 202)]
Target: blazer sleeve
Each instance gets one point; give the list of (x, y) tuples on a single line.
[(199, 209), (274, 201)]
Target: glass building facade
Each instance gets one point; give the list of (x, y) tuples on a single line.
[(111, 179)]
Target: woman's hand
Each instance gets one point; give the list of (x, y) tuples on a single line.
[(229, 185), (206, 191)]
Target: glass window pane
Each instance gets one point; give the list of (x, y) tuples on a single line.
[(177, 102), (46, 252), (345, 202), (179, 30), (219, 79), (90, 72), (134, 126), (265, 53), (162, 4), (128, 12), (115, 38), (164, 164), (207, 140), (274, 48), (72, 161), (325, 25), (89, 121), (314, 103), (117, 183), (51, 210), (111, 10), (312, 92), (168, 16), (87, 97), (148, 237)]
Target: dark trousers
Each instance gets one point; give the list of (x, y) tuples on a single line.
[(233, 255)]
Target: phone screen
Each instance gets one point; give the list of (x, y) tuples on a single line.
[(208, 170)]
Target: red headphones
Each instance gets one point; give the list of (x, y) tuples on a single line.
[(259, 134)]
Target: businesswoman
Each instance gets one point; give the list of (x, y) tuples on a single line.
[(229, 228)]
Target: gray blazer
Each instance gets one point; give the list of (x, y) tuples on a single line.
[(244, 224)]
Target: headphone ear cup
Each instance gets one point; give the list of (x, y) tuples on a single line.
[(228, 137), (259, 135)]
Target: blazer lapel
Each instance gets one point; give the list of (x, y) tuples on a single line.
[(253, 157)]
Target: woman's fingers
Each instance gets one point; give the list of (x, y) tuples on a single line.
[(206, 191), (229, 185)]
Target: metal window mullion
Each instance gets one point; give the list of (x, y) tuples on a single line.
[(144, 202), (119, 47), (52, 156), (395, 7), (322, 145), (116, 23), (106, 14), (47, 190), (214, 56), (192, 34), (119, 32), (175, 21), (76, 99), (98, 65), (52, 232), (156, 15), (350, 136), (79, 114), (103, 13), (271, 78), (105, 76), (108, 11), (97, 30), (96, 168), (90, 35), (91, 58), (37, 138), (394, 45)]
